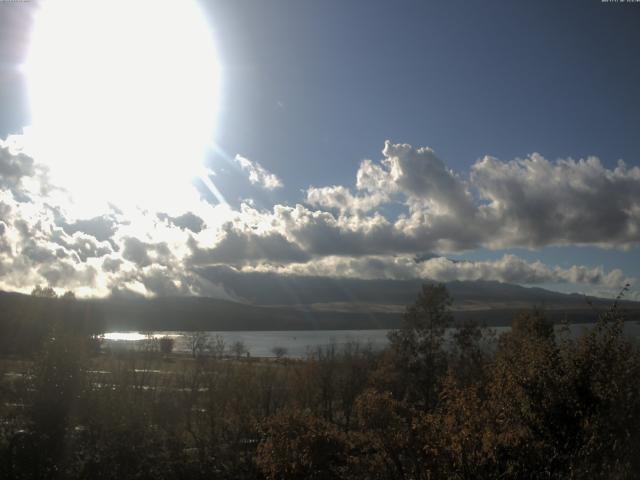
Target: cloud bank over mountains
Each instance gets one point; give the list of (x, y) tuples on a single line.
[(508, 269), (336, 231)]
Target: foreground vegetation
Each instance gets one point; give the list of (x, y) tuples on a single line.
[(533, 403)]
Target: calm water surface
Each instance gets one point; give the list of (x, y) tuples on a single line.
[(297, 342), (261, 343)]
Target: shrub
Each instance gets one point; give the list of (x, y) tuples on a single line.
[(166, 345), (279, 351)]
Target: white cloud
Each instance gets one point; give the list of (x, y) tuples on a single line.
[(258, 175), (508, 269), (340, 198), (42, 243), (537, 202), (240, 247), (341, 232), (531, 202)]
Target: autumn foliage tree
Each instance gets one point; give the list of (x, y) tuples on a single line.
[(444, 400), (416, 356)]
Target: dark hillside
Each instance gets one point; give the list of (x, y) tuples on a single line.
[(490, 303)]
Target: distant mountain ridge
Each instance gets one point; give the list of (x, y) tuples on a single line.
[(272, 289), (302, 303)]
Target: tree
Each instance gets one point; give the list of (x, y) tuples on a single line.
[(57, 382), (279, 351), (166, 345), (393, 439), (217, 346), (470, 350), (68, 295), (198, 342), (299, 445), (150, 344), (44, 292), (238, 348), (417, 347)]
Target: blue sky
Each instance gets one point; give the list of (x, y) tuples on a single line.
[(468, 79), (310, 89), (465, 78)]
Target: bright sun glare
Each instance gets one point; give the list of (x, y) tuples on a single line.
[(123, 96)]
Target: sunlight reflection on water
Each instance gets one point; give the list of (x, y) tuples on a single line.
[(299, 343), (136, 336), (261, 343)]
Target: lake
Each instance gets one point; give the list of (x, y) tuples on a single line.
[(297, 342), (261, 343)]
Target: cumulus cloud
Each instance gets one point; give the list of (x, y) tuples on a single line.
[(258, 175), (537, 202), (43, 243), (340, 198), (189, 221), (13, 167), (241, 247), (339, 231), (419, 175), (530, 202)]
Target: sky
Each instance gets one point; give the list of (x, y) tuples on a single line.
[(486, 140)]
